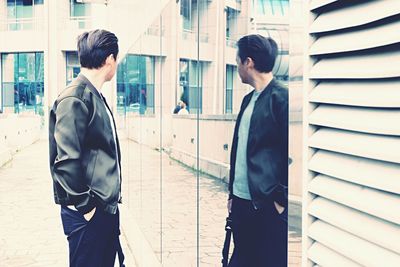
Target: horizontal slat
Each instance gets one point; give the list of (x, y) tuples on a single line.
[(377, 203), (326, 257), (366, 93), (372, 173), (354, 248), (370, 228), (385, 34), (382, 64), (379, 147), (320, 3), (367, 120), (355, 15)]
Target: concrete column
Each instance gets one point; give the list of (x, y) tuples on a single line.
[(50, 57)]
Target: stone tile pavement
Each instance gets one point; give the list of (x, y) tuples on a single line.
[(31, 233), (150, 177), (30, 226)]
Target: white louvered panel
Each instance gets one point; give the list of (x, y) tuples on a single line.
[(367, 227), (372, 173), (353, 15), (326, 257), (384, 34), (378, 147), (352, 247), (359, 66), (366, 120), (352, 186), (366, 93), (320, 3), (375, 202)]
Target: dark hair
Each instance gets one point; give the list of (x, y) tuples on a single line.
[(261, 50), (95, 46)]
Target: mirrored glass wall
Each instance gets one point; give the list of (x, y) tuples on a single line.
[(178, 94)]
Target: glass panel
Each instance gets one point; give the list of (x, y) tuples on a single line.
[(80, 13), (271, 7), (230, 76), (135, 83), (186, 13), (139, 112), (194, 103), (23, 82), (184, 81), (9, 89), (178, 94), (12, 16), (73, 66)]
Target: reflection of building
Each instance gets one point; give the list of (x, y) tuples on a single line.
[(221, 24), (202, 73), (187, 53)]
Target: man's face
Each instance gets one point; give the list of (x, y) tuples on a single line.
[(242, 70)]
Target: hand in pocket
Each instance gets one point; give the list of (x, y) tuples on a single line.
[(279, 208), (88, 216)]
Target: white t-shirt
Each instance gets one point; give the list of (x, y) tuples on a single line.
[(114, 135)]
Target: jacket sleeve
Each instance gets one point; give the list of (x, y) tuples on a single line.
[(281, 107), (72, 117)]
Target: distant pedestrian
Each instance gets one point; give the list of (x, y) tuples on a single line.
[(183, 110), (178, 107)]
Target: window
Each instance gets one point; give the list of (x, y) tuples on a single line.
[(190, 86), (23, 82), (230, 74), (80, 13), (231, 24), (73, 66), (271, 7), (135, 84), (20, 14), (186, 13)]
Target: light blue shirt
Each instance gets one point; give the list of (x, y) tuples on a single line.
[(241, 183)]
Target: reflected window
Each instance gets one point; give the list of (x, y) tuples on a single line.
[(73, 66), (271, 7), (191, 91), (80, 14), (186, 13), (21, 13), (230, 74), (231, 24), (189, 13), (135, 85), (23, 82)]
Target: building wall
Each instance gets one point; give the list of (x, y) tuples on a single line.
[(16, 133)]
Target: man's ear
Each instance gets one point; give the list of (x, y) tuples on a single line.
[(249, 62), (110, 58)]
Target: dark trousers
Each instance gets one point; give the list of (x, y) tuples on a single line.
[(260, 236), (93, 243)]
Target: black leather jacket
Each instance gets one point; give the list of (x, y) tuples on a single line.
[(83, 157), (267, 147)]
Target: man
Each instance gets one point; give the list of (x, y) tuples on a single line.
[(85, 156), (259, 161)]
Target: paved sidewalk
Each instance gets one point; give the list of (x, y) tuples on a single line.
[(30, 225), (177, 220)]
